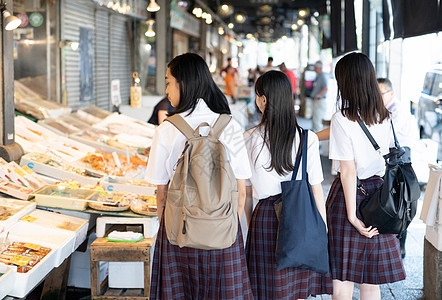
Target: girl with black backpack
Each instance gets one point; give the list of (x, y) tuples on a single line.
[(358, 254)]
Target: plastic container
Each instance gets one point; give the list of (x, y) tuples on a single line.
[(7, 279), (63, 197)]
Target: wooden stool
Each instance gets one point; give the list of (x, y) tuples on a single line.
[(103, 250)]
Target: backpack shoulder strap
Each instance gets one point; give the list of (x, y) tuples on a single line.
[(220, 125), (181, 125)]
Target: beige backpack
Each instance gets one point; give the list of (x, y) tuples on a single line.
[(202, 201)]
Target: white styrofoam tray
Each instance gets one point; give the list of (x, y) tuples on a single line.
[(80, 270), (53, 172), (27, 208), (61, 241), (150, 224), (59, 221), (25, 282), (7, 279), (114, 184), (128, 274)]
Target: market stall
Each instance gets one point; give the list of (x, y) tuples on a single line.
[(64, 182)]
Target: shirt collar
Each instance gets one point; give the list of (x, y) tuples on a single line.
[(200, 108)]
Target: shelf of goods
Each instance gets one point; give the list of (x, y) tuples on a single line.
[(107, 132), (30, 103), (32, 243), (96, 168), (36, 138)]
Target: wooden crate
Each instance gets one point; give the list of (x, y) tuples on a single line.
[(103, 250)]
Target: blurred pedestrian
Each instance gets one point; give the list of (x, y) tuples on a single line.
[(358, 254), (269, 65), (160, 111), (318, 96), (404, 125), (292, 77), (224, 70), (230, 83)]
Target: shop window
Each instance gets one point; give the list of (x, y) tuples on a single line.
[(35, 49)]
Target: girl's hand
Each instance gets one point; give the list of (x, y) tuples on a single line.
[(368, 232)]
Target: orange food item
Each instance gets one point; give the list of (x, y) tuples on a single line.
[(34, 131)]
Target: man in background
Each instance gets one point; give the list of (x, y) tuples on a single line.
[(404, 125), (291, 76), (318, 96)]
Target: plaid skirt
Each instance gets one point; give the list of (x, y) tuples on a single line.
[(354, 257), (188, 273), (268, 283)]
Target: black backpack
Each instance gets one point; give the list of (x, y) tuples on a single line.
[(392, 207)]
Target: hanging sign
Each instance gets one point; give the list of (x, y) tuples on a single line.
[(115, 92), (24, 20), (36, 19)]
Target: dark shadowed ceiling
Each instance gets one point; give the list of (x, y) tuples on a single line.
[(268, 20)]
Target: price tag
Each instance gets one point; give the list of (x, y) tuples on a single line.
[(29, 218), (32, 246), (117, 159), (27, 169), (20, 172), (20, 260)]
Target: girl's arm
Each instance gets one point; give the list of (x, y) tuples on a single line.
[(320, 203), (324, 134), (161, 199), (348, 179), (249, 204), (241, 183)]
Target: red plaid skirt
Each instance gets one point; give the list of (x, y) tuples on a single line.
[(354, 257), (268, 283), (188, 273)]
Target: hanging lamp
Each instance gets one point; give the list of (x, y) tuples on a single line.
[(153, 6), (11, 22), (150, 32)]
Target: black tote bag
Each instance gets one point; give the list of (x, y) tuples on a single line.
[(302, 235)]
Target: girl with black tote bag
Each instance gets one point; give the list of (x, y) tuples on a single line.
[(358, 254), (272, 147)]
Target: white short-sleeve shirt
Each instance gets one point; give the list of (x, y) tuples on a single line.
[(404, 124), (168, 144), (349, 142), (267, 182)]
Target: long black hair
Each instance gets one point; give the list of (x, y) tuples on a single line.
[(359, 90), (278, 120), (195, 81)]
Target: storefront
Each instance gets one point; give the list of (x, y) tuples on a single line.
[(70, 51)]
